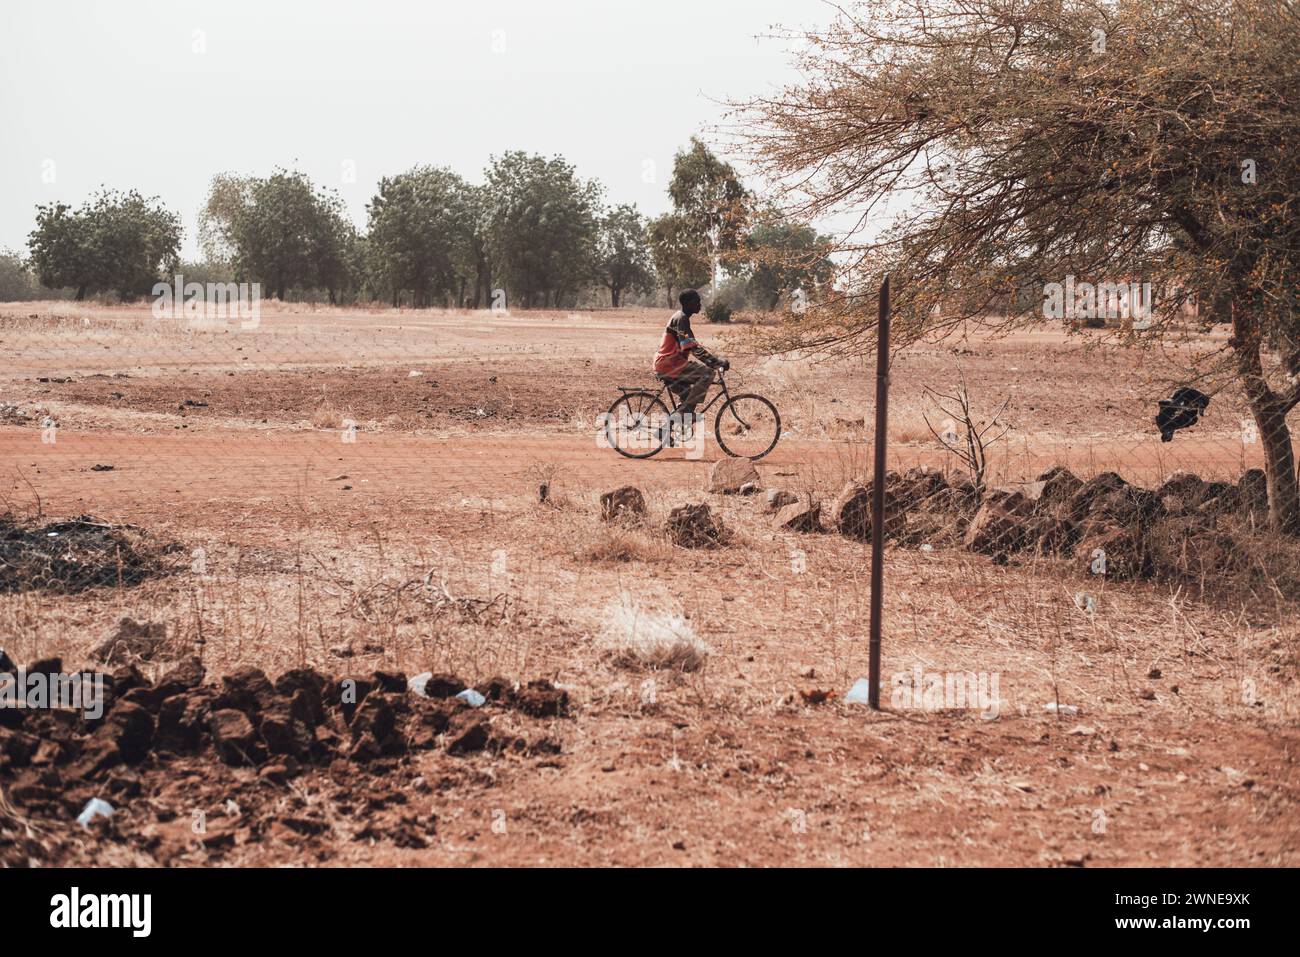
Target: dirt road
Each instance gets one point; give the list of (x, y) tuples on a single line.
[(162, 475)]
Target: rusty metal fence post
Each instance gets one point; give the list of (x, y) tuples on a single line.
[(878, 494)]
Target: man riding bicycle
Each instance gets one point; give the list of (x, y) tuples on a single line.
[(640, 423), (686, 379)]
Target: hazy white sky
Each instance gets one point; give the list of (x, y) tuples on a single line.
[(160, 95)]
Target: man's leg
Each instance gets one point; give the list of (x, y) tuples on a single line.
[(679, 388), (695, 381), (697, 378)]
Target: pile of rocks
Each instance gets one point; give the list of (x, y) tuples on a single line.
[(1116, 529), (687, 526), (921, 504), (51, 758), (1105, 524)]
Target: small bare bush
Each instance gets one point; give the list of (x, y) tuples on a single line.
[(620, 542), (326, 416), (644, 639), (546, 479)]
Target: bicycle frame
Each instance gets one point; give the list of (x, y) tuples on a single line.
[(667, 432), (675, 406)]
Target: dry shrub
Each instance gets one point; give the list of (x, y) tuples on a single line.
[(546, 481), (1230, 560), (73, 555), (326, 416), (643, 639), (619, 542)]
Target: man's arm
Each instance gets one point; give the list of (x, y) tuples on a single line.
[(681, 328), (707, 357)]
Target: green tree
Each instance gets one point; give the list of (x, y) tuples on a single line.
[(338, 256), (1044, 139), (286, 233), (623, 255), (708, 195), (422, 225), (680, 261), (542, 227), (472, 258), (228, 195), (785, 257), (17, 284), (118, 242), (60, 249)]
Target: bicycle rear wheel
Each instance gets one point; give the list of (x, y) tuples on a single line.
[(636, 425), (748, 426)]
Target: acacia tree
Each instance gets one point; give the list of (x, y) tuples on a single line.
[(623, 253), (1033, 140)]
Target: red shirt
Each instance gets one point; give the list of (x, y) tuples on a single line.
[(675, 348)]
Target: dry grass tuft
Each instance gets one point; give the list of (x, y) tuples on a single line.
[(642, 639), (326, 416), (547, 482), (619, 542)]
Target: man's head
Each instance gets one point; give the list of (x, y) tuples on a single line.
[(690, 300)]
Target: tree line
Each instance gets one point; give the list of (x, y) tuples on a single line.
[(531, 234)]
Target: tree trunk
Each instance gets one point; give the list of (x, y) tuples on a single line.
[(614, 295), (81, 292), (713, 273), (1269, 410), (1280, 468)]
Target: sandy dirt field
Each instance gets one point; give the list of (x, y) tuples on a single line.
[(319, 474)]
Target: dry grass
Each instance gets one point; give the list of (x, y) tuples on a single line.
[(620, 542), (327, 416), (644, 639)]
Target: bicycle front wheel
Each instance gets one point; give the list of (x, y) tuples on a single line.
[(637, 425), (747, 427)]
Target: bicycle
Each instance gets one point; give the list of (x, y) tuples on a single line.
[(640, 425)]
